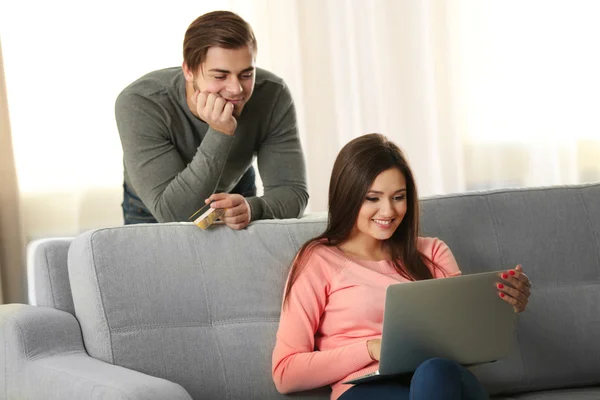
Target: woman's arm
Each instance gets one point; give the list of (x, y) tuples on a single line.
[(296, 364), (442, 257)]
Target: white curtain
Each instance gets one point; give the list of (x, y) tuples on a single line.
[(12, 271), (480, 93)]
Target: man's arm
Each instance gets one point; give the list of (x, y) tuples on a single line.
[(171, 190), (281, 165)]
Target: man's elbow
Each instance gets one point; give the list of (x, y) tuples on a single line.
[(302, 196), (164, 213)]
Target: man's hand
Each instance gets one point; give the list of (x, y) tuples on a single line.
[(216, 112), (237, 215)]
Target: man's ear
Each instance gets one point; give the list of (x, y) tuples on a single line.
[(187, 73)]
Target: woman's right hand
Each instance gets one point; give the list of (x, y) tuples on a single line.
[(374, 348)]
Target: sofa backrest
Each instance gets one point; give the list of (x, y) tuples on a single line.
[(47, 274), (555, 234), (196, 307), (201, 308)]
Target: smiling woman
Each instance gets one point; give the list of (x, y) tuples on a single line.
[(371, 242)]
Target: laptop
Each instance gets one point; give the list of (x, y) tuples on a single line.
[(460, 318)]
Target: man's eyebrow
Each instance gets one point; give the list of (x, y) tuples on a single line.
[(224, 71)]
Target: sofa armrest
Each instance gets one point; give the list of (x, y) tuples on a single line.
[(42, 357)]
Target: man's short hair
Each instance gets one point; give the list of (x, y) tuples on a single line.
[(218, 28)]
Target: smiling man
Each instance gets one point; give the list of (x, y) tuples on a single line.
[(190, 133)]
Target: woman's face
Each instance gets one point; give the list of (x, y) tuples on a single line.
[(384, 206)]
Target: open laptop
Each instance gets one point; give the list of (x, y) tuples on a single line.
[(460, 318)]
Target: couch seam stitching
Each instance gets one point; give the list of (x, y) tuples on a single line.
[(193, 325), (207, 297), (222, 365), (62, 353), (50, 278), (294, 244), (591, 224), (276, 222), (494, 227), (503, 264), (99, 292), (22, 339)]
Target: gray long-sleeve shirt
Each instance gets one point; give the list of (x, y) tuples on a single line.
[(173, 161)]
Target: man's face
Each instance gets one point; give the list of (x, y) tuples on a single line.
[(230, 73)]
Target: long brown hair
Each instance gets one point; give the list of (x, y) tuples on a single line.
[(355, 168), (218, 28)]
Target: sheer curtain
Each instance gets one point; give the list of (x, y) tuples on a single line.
[(379, 66), (527, 91), (12, 276), (480, 94)]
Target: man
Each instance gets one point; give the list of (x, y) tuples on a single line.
[(189, 134)]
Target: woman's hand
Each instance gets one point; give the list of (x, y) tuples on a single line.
[(374, 347), (518, 294)]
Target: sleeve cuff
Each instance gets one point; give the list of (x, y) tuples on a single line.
[(249, 210), (216, 143), (255, 207)]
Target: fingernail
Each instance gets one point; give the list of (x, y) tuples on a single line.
[(501, 294), (511, 272), (504, 276), (500, 286)]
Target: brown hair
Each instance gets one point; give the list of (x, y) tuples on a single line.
[(218, 28), (355, 168)]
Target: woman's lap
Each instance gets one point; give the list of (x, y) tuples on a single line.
[(436, 378)]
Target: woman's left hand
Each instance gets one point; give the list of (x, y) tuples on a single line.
[(517, 294)]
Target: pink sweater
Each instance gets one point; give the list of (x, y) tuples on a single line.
[(334, 307)]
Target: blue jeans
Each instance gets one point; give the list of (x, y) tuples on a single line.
[(435, 379), (136, 212)]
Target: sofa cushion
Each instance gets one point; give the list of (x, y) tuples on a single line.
[(589, 393), (196, 307)]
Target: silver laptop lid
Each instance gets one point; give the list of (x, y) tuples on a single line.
[(461, 318)]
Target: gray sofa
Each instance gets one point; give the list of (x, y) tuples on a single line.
[(169, 311)]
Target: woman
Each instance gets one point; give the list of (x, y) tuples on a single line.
[(331, 319)]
